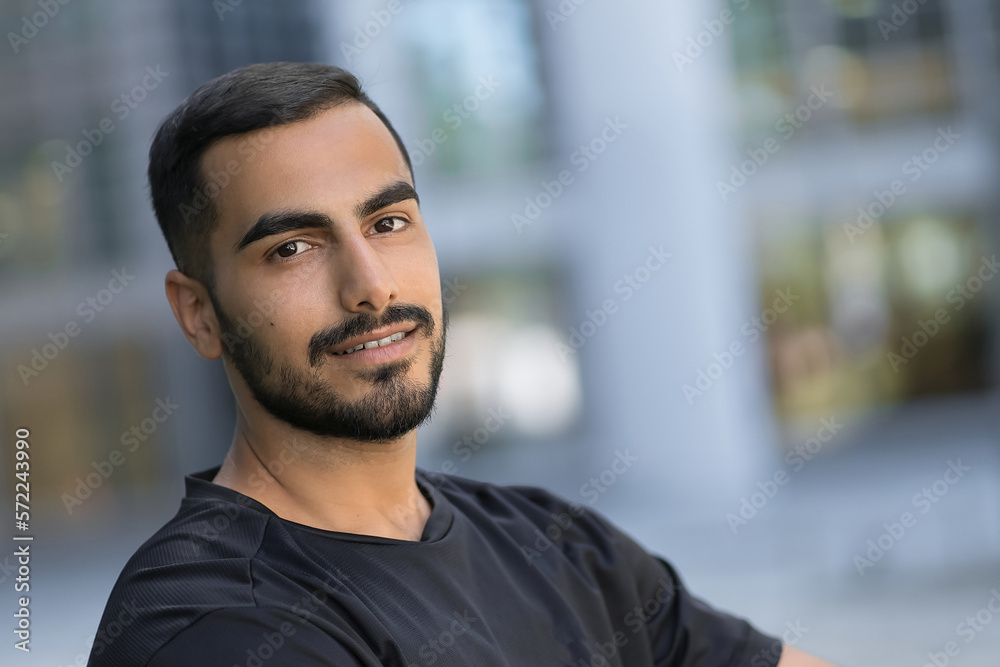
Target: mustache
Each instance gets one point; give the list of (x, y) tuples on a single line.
[(364, 323)]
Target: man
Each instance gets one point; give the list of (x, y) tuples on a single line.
[(287, 200)]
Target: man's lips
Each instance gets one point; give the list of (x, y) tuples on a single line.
[(381, 354), (386, 336)]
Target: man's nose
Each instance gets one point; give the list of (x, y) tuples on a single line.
[(364, 282)]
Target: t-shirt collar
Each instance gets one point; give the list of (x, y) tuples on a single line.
[(199, 485)]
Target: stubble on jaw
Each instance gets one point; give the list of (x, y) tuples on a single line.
[(394, 406)]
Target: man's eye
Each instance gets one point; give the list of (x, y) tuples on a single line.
[(288, 249), (390, 224)]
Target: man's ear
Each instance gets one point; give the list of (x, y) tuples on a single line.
[(195, 313)]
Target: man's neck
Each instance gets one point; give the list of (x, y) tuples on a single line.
[(338, 485)]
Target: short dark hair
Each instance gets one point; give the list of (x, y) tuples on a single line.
[(249, 98)]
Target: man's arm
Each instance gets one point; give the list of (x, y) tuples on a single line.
[(793, 657)]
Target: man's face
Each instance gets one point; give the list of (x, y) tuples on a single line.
[(321, 246)]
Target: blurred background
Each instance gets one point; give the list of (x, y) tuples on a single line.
[(747, 246)]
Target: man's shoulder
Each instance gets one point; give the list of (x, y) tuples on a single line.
[(198, 561), (203, 532)]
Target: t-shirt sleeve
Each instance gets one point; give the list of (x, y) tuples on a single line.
[(683, 630), (689, 632), (256, 636)]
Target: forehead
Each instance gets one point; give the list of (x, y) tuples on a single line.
[(325, 163)]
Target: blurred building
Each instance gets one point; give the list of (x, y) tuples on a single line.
[(875, 124)]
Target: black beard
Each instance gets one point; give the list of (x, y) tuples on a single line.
[(393, 407)]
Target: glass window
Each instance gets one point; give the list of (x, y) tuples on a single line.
[(477, 68)]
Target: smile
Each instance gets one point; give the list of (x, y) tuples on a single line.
[(374, 343)]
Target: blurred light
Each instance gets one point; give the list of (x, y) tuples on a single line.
[(930, 257), (471, 340), (859, 309), (839, 69), (496, 363), (543, 392)]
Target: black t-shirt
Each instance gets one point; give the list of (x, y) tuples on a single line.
[(502, 575)]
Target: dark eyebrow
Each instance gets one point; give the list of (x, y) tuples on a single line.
[(387, 196), (279, 222)]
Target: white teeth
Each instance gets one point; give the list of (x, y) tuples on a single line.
[(375, 343)]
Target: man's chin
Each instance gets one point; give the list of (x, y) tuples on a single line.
[(363, 409), (355, 381), (376, 403)]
